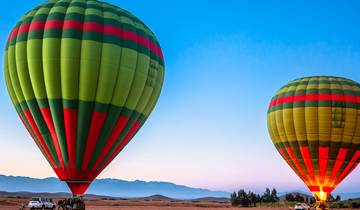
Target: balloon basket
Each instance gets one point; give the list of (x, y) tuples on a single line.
[(321, 205)]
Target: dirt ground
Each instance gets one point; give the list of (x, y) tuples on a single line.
[(124, 204)]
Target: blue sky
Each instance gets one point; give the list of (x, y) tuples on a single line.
[(224, 61)]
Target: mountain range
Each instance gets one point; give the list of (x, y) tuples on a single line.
[(108, 187), (123, 189)]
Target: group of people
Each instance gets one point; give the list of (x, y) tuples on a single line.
[(76, 203)]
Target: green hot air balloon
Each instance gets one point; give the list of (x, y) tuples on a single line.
[(83, 75)]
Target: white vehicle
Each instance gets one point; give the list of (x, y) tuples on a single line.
[(41, 203), (301, 206)]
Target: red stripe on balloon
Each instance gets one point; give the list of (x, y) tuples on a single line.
[(314, 188), (123, 143), (339, 161), (323, 159), (296, 163), (49, 122), (305, 152), (36, 26), (323, 188), (282, 153), (115, 133), (34, 127), (351, 166), (328, 189), (53, 24), (13, 33), (315, 97), (24, 28), (87, 26), (92, 26), (60, 173), (36, 142), (72, 24), (96, 125), (70, 122)]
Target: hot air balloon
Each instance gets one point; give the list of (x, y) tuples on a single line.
[(314, 123), (83, 75)]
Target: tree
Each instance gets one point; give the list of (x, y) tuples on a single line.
[(338, 198), (234, 199), (258, 198), (330, 198), (266, 198), (299, 198), (243, 198), (289, 197), (273, 196), (355, 205), (253, 198)]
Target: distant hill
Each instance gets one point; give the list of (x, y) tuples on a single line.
[(108, 187), (158, 197)]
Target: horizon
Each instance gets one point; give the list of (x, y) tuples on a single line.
[(221, 72), (344, 195)]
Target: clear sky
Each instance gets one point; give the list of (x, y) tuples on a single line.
[(224, 61)]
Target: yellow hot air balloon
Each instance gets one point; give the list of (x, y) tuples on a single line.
[(314, 123)]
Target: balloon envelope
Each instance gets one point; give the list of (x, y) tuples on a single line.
[(83, 77), (314, 123)]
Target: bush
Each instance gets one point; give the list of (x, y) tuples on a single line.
[(355, 205)]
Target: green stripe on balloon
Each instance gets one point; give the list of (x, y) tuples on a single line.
[(112, 21), (41, 125), (104, 8), (114, 114), (316, 91), (85, 35), (35, 65), (134, 118), (28, 127), (85, 111), (23, 71), (58, 120), (92, 18), (305, 104), (8, 80), (319, 82), (73, 104)]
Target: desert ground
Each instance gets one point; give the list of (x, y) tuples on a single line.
[(142, 204), (136, 204)]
